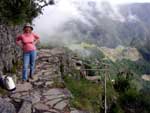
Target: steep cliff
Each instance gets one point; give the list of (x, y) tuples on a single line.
[(9, 52)]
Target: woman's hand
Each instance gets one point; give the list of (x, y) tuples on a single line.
[(36, 41), (20, 45)]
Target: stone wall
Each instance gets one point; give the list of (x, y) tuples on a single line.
[(9, 52)]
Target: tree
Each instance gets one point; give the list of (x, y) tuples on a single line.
[(20, 11)]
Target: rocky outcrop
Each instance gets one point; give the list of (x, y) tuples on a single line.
[(9, 52), (6, 107)]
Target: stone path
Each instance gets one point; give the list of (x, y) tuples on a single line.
[(41, 95)]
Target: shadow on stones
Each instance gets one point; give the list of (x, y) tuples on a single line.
[(1, 83), (17, 105)]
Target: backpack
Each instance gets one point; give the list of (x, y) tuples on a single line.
[(7, 83)]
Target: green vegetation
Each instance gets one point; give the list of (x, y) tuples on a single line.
[(3, 91), (89, 96), (57, 83), (127, 94), (138, 67), (16, 65), (20, 11), (86, 95), (130, 98)]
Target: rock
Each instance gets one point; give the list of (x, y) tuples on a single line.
[(35, 98), (52, 97), (52, 111), (57, 51), (6, 107), (49, 83), (18, 100), (26, 107), (35, 78), (9, 52), (48, 73), (61, 105), (53, 102), (7, 99), (16, 95), (41, 107), (54, 91), (39, 83), (77, 111), (23, 87), (32, 98)]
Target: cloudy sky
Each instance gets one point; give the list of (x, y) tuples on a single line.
[(127, 1), (56, 15)]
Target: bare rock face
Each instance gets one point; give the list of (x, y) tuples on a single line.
[(6, 107), (9, 52)]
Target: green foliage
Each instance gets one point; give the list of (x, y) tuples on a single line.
[(130, 97), (138, 67), (116, 108), (86, 95), (122, 82), (112, 95), (3, 91), (19, 11), (135, 100), (16, 65), (57, 83), (122, 96)]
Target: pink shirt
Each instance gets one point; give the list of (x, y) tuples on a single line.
[(27, 40)]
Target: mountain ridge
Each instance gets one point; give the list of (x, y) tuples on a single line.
[(112, 28)]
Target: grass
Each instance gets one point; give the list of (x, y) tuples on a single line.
[(86, 95), (58, 84), (3, 91)]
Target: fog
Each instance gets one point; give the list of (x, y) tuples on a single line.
[(55, 17)]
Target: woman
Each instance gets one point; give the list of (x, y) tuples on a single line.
[(27, 41)]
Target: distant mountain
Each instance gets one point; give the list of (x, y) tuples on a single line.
[(110, 26), (140, 26)]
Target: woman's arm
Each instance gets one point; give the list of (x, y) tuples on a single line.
[(37, 39), (18, 42)]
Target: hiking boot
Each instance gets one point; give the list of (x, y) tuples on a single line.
[(31, 77), (23, 81)]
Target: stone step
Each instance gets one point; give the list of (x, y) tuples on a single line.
[(39, 95)]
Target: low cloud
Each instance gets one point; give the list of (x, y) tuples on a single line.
[(55, 18)]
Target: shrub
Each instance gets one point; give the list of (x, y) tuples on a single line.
[(20, 11), (86, 95)]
